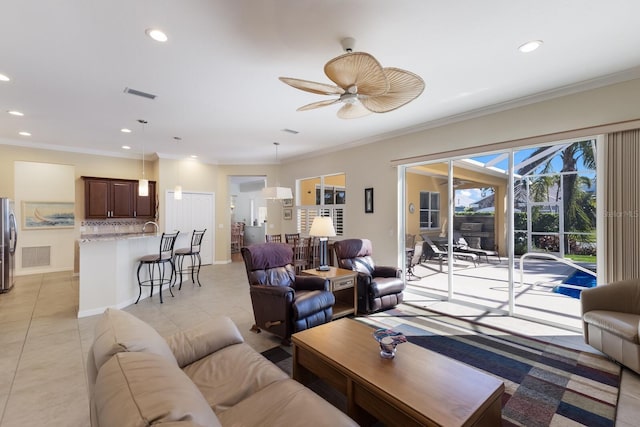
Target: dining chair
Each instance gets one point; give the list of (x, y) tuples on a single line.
[(290, 237)]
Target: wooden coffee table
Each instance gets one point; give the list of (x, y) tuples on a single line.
[(416, 388)]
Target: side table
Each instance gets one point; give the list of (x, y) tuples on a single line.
[(342, 283)]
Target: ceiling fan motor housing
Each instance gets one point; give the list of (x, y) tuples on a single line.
[(348, 43)]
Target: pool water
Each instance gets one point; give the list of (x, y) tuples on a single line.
[(578, 278)]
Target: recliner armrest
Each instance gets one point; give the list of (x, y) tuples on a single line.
[(386, 271), (206, 338), (284, 291), (311, 283), (310, 303)]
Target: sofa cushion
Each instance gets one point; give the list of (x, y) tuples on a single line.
[(624, 325), (232, 374), (294, 406), (118, 331), (143, 389), (204, 339)]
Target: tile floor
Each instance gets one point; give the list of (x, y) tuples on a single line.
[(43, 345)]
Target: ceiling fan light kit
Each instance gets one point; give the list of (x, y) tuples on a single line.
[(363, 86)]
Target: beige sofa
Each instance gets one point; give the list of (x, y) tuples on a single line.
[(611, 320), (206, 376)]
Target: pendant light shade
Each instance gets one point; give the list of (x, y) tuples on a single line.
[(143, 187), (143, 184), (277, 193)]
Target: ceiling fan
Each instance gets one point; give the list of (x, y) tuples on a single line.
[(362, 85)]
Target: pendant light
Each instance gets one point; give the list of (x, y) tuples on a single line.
[(277, 193), (177, 190), (143, 183)]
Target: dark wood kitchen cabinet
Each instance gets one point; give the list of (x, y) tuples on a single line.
[(117, 198)]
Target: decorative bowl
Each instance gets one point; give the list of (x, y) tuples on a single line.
[(388, 340)]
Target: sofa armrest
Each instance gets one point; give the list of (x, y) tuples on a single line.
[(386, 271), (206, 338), (311, 283)]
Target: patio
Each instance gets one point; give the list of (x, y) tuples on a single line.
[(487, 285)]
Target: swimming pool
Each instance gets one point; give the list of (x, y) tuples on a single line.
[(577, 278)]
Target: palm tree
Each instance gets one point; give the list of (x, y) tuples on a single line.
[(578, 213)]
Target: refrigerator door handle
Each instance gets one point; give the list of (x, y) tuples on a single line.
[(13, 243)]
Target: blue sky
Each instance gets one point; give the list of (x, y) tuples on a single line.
[(523, 155), (465, 197)]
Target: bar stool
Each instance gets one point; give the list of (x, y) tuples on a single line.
[(192, 252), (167, 241)]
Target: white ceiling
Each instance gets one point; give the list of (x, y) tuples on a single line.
[(216, 79)]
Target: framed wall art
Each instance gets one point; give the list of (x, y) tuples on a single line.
[(368, 200), (287, 202), (44, 215), (287, 214)]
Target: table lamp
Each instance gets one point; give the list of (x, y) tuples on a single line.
[(322, 227)]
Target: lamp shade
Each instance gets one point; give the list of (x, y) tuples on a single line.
[(277, 193), (322, 226), (177, 192)]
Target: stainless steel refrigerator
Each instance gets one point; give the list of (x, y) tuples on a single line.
[(9, 240)]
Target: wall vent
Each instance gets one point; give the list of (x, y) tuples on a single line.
[(139, 93), (36, 256)]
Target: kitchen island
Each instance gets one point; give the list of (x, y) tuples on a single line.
[(108, 265)]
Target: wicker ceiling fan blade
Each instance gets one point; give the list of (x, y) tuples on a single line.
[(318, 104), (405, 86), (353, 111), (358, 69), (313, 87)]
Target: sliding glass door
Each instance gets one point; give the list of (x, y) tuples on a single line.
[(495, 229)]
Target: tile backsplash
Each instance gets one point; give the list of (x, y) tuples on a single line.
[(111, 226)]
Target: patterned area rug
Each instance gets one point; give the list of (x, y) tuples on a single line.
[(545, 384)]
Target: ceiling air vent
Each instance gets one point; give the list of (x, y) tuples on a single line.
[(139, 93)]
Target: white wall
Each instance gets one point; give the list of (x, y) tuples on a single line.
[(370, 165)]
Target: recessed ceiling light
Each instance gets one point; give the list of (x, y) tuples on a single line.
[(157, 35), (193, 156), (126, 147), (4, 78), (125, 130), (23, 133), (15, 113), (530, 46)]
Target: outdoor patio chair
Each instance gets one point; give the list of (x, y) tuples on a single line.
[(432, 251), (414, 256), (461, 245)]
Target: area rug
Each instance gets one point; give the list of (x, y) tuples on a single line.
[(545, 384)]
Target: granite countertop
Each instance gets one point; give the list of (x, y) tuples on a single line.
[(102, 237)]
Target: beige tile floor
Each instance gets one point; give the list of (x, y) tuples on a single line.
[(43, 345)]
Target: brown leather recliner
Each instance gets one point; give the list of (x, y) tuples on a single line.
[(379, 287), (284, 303)]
